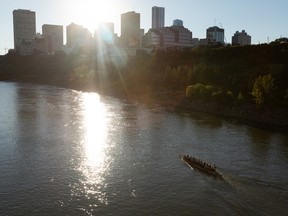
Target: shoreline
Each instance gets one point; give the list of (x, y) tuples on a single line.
[(249, 114), (275, 120), (176, 101)]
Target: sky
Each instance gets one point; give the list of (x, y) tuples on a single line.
[(264, 20)]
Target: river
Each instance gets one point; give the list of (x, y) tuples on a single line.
[(66, 152)]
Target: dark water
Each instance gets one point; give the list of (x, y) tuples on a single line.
[(65, 152)]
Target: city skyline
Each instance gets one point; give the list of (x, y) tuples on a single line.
[(263, 20)]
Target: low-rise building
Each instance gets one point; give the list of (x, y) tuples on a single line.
[(54, 37), (175, 36), (241, 38), (28, 47)]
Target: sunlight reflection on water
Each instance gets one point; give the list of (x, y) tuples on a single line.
[(94, 143), (95, 130)]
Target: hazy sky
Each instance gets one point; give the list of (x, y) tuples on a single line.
[(262, 19)]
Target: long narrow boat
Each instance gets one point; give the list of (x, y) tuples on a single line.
[(200, 165)]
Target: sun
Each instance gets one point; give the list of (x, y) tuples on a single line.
[(90, 13)]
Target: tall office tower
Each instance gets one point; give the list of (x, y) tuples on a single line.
[(158, 17), (77, 36), (24, 24), (130, 29), (54, 37), (106, 32), (215, 35)]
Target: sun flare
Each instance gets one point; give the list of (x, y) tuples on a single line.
[(90, 13), (95, 129), (93, 165)]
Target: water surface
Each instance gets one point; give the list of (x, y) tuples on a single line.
[(65, 152)]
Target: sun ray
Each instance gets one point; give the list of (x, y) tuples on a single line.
[(90, 13)]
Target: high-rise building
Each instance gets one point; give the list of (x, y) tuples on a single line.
[(106, 32), (130, 29), (177, 22), (241, 38), (158, 17), (54, 37), (77, 36), (24, 25), (215, 35)]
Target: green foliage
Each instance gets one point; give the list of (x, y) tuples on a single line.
[(189, 91), (217, 96), (232, 68), (204, 72), (202, 92), (230, 94), (209, 93), (177, 77), (229, 98), (263, 90)]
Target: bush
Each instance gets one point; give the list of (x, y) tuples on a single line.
[(217, 96), (196, 91), (229, 97), (203, 92), (263, 90)]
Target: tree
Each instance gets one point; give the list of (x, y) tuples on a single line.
[(263, 90)]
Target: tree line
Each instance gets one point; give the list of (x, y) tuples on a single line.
[(228, 75)]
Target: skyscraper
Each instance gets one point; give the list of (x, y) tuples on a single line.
[(24, 24), (54, 37), (77, 36), (215, 35), (130, 29), (106, 32), (158, 17)]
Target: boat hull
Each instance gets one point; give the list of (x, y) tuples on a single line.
[(202, 169)]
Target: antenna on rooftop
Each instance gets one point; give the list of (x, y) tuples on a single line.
[(224, 34)]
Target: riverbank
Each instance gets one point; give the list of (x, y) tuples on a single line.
[(176, 101), (274, 119), (271, 119), (148, 80)]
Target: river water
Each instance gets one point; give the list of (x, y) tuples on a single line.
[(65, 152)]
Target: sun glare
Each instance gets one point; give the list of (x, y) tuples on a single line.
[(90, 13), (94, 142), (95, 129)]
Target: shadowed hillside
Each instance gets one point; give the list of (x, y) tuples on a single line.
[(243, 76)]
